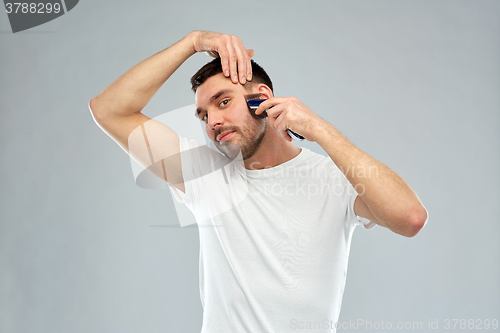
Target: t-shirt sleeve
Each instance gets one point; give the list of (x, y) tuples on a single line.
[(200, 165), (355, 219), (350, 196), (187, 162)]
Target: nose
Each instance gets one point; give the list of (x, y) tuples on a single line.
[(215, 119)]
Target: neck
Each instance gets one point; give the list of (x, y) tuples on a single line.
[(273, 151)]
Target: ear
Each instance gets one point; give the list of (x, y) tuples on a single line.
[(265, 91)]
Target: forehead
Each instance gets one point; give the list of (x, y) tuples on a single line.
[(214, 85)]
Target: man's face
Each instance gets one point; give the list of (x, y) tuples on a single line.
[(221, 104)]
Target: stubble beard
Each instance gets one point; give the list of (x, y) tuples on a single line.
[(250, 141)]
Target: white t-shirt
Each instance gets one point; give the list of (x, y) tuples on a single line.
[(274, 243)]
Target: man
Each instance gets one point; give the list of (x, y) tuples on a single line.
[(274, 255)]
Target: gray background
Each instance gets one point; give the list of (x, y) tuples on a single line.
[(415, 84)]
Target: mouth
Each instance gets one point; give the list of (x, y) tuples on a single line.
[(224, 136)]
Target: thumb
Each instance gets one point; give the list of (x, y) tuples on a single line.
[(250, 52)]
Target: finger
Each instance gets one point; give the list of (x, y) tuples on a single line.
[(233, 58), (249, 65), (250, 52), (276, 114), (242, 60), (281, 126), (269, 103), (224, 60)]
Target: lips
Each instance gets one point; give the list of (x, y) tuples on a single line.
[(224, 136)]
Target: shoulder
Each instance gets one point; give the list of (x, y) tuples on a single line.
[(315, 160), (312, 165)]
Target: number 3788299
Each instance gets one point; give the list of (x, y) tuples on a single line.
[(32, 8)]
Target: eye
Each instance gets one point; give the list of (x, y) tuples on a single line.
[(224, 102), (203, 116)]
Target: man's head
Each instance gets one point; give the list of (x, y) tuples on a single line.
[(221, 104)]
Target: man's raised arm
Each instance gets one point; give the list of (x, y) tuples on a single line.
[(117, 109)]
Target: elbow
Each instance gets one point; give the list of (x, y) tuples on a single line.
[(416, 222), (94, 110), (92, 105)]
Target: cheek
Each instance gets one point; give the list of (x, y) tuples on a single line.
[(209, 132), (246, 120)]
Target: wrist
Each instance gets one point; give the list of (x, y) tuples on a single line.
[(326, 134), (323, 131), (191, 39)]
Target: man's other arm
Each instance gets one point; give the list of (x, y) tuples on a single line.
[(118, 108), (383, 196)]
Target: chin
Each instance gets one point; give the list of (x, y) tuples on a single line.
[(229, 149)]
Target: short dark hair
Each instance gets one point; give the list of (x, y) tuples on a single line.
[(214, 67)]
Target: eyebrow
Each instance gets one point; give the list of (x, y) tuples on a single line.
[(213, 98)]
